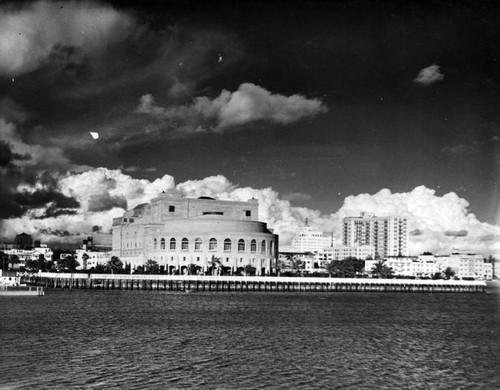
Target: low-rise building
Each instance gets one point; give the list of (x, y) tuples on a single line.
[(467, 265), (90, 259), (342, 252), (463, 265), (24, 255)]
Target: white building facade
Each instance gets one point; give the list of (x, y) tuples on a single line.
[(178, 232), (408, 266), (387, 235), (90, 259), (464, 266), (467, 265), (309, 240), (342, 252)]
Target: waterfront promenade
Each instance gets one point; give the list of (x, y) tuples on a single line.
[(247, 283)]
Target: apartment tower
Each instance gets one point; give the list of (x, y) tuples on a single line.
[(388, 235)]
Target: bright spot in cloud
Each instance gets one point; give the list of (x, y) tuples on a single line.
[(94, 135)]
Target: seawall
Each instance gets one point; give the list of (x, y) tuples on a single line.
[(248, 283)]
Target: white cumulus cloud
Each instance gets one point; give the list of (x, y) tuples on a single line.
[(250, 103), (443, 222), (428, 76), (439, 223)]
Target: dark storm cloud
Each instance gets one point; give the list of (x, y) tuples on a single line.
[(29, 33), (43, 197), (55, 211), (54, 202), (17, 204), (10, 111), (105, 202), (70, 64), (6, 155), (55, 232)]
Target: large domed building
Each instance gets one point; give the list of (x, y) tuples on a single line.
[(182, 233)]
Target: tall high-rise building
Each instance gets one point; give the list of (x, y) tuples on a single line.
[(388, 235)]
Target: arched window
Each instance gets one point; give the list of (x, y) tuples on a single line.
[(212, 244), (162, 243), (155, 243), (197, 244), (184, 244), (241, 245), (253, 246), (263, 247), (227, 245), (172, 244)]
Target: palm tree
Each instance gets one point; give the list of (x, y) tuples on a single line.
[(85, 257), (151, 266), (216, 265), (192, 269), (114, 264), (382, 270)]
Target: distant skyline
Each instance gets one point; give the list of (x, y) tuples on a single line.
[(318, 109)]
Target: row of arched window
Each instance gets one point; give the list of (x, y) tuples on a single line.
[(212, 245)]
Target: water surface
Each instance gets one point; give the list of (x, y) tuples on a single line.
[(154, 339)]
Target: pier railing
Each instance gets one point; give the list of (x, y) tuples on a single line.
[(248, 283)]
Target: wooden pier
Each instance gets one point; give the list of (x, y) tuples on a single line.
[(248, 283)]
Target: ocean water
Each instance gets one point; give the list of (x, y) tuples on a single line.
[(103, 339)]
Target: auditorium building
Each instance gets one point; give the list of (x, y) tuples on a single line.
[(182, 233)]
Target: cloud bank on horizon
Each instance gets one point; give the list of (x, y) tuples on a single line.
[(438, 224)]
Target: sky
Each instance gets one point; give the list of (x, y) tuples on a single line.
[(318, 109)]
